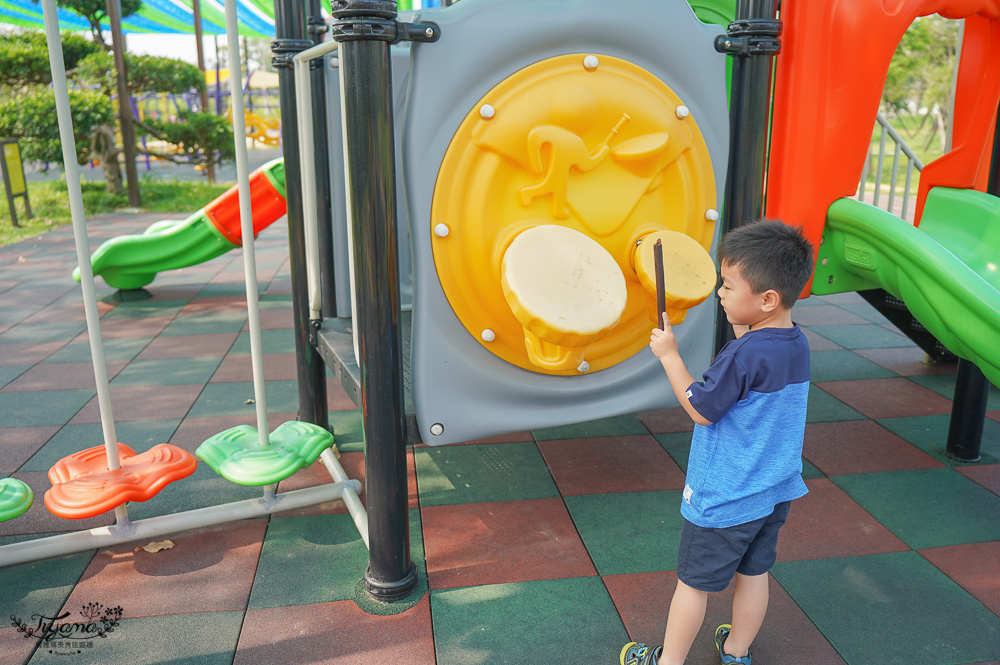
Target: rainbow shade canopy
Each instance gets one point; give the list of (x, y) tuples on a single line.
[(256, 17)]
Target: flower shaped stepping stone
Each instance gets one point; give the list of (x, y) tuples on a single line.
[(83, 486), (237, 455), (15, 498)]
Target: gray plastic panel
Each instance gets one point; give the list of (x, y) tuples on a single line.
[(400, 63), (456, 382)]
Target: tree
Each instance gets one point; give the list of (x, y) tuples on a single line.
[(26, 61), (96, 11), (921, 73), (30, 114)]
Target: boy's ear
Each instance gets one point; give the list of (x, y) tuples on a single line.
[(770, 301)]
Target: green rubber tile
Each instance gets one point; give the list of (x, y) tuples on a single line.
[(231, 399), (862, 603), (512, 624), (865, 311), (944, 384), (615, 426), (207, 323), (678, 446), (52, 331), (140, 436), (930, 434), (810, 471), (273, 341), (201, 489), (141, 309), (824, 407), (222, 289), (304, 560), (862, 336), (482, 473), (168, 371), (348, 431), (629, 533), (192, 638), (842, 365), (275, 302), (927, 507), (36, 409), (40, 587), (10, 372), (123, 348)]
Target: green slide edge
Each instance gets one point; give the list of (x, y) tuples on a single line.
[(866, 248)]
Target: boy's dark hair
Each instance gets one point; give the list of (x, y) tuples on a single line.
[(770, 255)]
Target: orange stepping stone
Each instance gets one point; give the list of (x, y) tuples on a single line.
[(83, 486)]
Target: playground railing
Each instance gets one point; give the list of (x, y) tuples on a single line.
[(900, 149)]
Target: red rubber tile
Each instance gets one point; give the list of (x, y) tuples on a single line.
[(337, 398), (905, 361), (15, 648), (888, 398), (123, 327), (131, 403), (987, 475), (787, 636), (207, 570), (337, 633), (20, 443), (237, 368), (605, 465), (189, 346), (24, 353), (316, 474), (192, 432), (827, 523), (61, 376), (664, 421), (494, 543), (275, 319), (861, 446), (975, 567)]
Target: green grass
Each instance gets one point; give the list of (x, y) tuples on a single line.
[(50, 203)]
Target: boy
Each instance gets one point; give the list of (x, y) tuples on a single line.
[(746, 451)]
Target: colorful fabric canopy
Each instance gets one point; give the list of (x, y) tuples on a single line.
[(256, 17)]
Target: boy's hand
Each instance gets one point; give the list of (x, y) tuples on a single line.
[(663, 342)]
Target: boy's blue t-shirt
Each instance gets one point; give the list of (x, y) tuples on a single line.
[(750, 458)]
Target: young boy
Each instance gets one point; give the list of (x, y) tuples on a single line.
[(746, 451)]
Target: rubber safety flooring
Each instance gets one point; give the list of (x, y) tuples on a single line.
[(555, 545)]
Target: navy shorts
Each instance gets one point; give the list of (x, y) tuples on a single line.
[(708, 558)]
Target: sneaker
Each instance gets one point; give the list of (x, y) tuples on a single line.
[(636, 653), (721, 633)]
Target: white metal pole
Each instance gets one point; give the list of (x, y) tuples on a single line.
[(246, 220), (65, 117)]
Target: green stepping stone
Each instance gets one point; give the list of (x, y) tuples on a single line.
[(15, 498), (237, 455)]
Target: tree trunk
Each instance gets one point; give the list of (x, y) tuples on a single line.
[(107, 151)]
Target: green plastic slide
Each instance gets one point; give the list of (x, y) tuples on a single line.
[(946, 271)]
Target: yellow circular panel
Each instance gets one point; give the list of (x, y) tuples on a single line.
[(600, 151)]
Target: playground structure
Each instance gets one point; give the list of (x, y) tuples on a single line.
[(494, 172)]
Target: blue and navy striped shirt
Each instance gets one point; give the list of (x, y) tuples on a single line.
[(750, 458)]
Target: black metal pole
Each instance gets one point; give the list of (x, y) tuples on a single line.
[(290, 31), (321, 164), (972, 390), (367, 79), (752, 39)]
